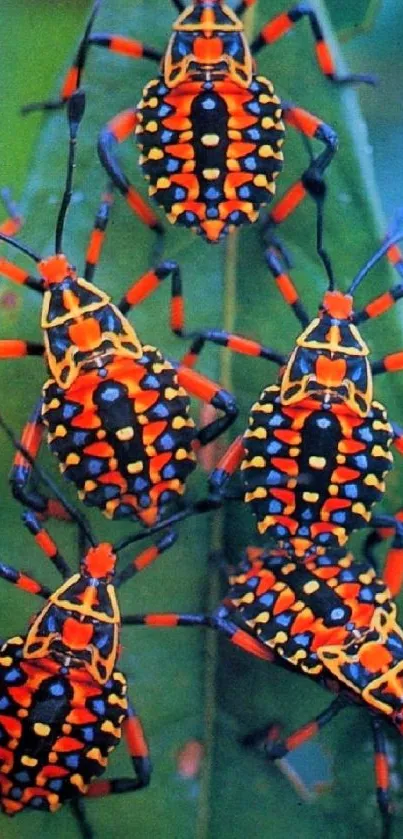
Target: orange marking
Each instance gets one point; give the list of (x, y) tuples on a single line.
[(380, 305), (12, 349), (95, 245), (276, 28), (375, 657), (55, 269), (330, 372), (332, 504), (394, 361), (141, 208), (212, 229), (343, 474), (70, 83), (11, 226), (21, 696), (46, 544), (142, 288), (305, 733), (286, 465), (54, 772), (286, 287), (189, 758), (243, 345), (134, 737), (381, 771), (284, 601), (80, 716), (302, 120), (288, 203), (153, 430), (100, 560), (77, 635), (207, 50), (324, 57), (239, 149), (13, 272), (351, 446), (232, 457), (182, 150), (284, 495), (126, 46), (12, 726), (177, 313), (67, 744), (161, 620), (197, 384), (123, 124), (189, 182), (99, 449), (287, 435), (394, 254), (28, 584), (86, 334), (146, 558), (338, 305), (393, 571)]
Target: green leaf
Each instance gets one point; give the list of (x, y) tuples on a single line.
[(351, 19), (186, 684)]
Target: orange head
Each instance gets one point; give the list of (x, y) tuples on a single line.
[(208, 43), (330, 361)]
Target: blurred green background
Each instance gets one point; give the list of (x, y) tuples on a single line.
[(185, 684)]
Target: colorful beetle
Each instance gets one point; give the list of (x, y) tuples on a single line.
[(116, 411), (210, 128), (328, 617), (317, 449)]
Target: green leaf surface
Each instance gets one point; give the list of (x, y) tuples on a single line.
[(351, 19), (185, 684)]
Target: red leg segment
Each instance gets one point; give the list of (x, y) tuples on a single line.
[(139, 754), (97, 236), (283, 23)]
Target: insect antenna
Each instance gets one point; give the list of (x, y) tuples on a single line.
[(75, 113), (389, 241)]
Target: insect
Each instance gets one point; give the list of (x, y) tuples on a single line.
[(116, 411), (64, 704), (328, 617), (317, 449), (210, 127)]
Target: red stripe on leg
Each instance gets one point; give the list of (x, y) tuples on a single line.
[(288, 203), (393, 571), (123, 124), (134, 736)]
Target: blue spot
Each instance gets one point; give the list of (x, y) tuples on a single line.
[(284, 619), (110, 394), (160, 410), (212, 212), (139, 484), (274, 507), (323, 422), (273, 447), (57, 689), (166, 136), (339, 517), (69, 411), (346, 577), (267, 599), (281, 531), (87, 733), (367, 594), (364, 433), (99, 707), (72, 761), (144, 501), (150, 381), (37, 802), (167, 441), (235, 216), (56, 784), (164, 110), (324, 537), (361, 461), (208, 103), (51, 623), (172, 165), (94, 467), (275, 421), (302, 640), (22, 777), (303, 531), (179, 193), (244, 192), (168, 472), (162, 89), (166, 496), (212, 193), (351, 490), (4, 703), (307, 515), (12, 675), (337, 614), (273, 478), (253, 133), (253, 107), (190, 217), (16, 792), (111, 492), (80, 438), (250, 163)]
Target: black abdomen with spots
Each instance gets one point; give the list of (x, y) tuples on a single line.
[(314, 474), (211, 150), (123, 435), (50, 699)]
